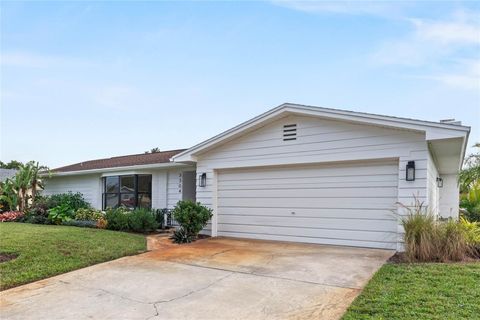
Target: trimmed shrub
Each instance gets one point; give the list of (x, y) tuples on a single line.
[(142, 220), (138, 220), (117, 219), (89, 214), (191, 216)]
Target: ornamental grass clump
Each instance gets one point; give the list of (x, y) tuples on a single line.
[(428, 239), (421, 236)]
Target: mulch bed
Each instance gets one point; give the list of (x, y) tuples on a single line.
[(399, 258), (4, 257)]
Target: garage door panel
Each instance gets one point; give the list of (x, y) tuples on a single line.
[(312, 232), (306, 183), (383, 214), (343, 203), (307, 172), (309, 192), (301, 202), (343, 242), (312, 222)]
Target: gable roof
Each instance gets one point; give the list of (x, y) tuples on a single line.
[(121, 161), (432, 130)]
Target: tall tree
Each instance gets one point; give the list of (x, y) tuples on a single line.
[(18, 190)]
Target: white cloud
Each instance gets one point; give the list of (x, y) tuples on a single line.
[(430, 41), (447, 50), (467, 78)]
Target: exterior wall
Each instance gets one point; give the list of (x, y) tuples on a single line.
[(433, 193), (166, 186), (89, 185), (174, 188), (449, 197), (319, 141)]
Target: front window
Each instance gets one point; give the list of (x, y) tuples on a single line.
[(128, 191)]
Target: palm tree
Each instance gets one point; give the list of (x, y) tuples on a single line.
[(27, 180)]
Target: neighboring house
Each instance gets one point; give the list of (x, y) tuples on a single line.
[(294, 173), (6, 174)]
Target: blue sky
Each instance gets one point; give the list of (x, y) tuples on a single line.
[(86, 80)]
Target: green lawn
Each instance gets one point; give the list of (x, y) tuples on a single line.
[(45, 251), (420, 291)]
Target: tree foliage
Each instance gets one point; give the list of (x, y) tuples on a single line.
[(470, 174), (153, 150), (16, 192), (14, 164)]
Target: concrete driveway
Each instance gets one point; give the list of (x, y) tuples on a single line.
[(217, 278)]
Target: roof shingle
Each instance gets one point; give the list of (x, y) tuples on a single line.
[(121, 161)]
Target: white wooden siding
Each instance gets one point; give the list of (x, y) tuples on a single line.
[(432, 190), (449, 197), (174, 188), (321, 141), (166, 186), (300, 203), (89, 185)]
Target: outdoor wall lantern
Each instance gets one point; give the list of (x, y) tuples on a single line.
[(410, 171), (202, 179), (439, 182)]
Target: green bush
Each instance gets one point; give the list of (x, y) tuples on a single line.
[(88, 214), (80, 223), (61, 213), (74, 200), (117, 219), (470, 203), (138, 220), (36, 218), (142, 220), (191, 216)]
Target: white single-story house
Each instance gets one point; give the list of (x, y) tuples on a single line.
[(294, 173)]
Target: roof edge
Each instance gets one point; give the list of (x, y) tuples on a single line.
[(114, 169), (334, 114)]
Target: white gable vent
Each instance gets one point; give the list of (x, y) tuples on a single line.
[(289, 132)]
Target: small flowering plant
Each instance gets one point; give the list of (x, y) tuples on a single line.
[(11, 216)]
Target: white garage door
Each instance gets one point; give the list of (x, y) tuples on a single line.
[(343, 204)]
